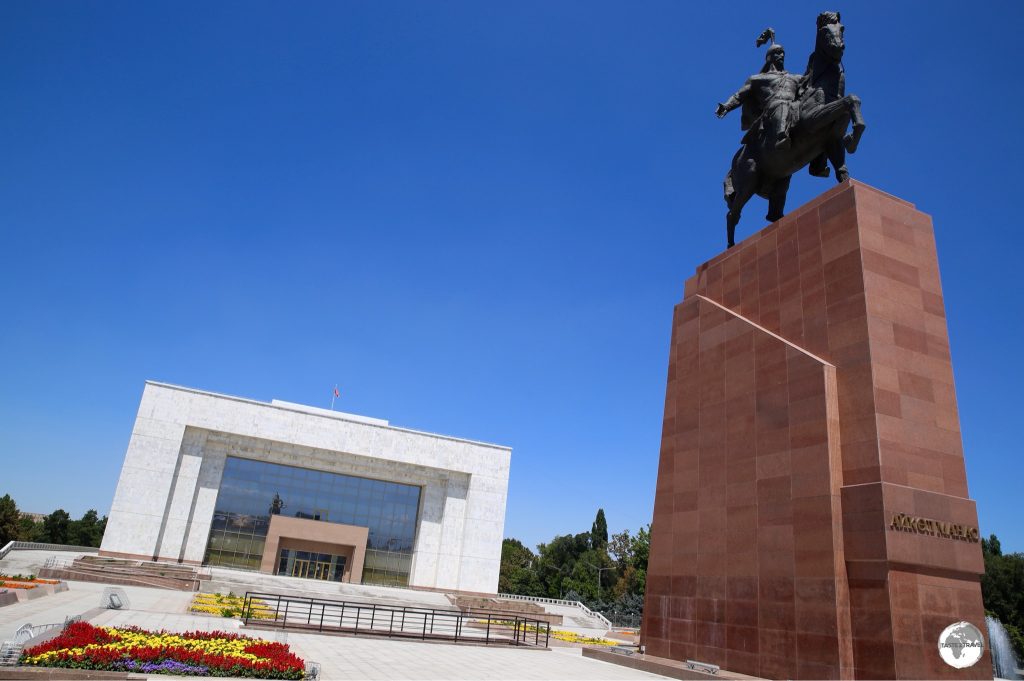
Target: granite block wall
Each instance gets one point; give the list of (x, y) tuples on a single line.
[(810, 400)]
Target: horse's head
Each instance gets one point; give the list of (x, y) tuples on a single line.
[(830, 36)]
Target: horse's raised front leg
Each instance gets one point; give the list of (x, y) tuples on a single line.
[(837, 156), (834, 116), (852, 140)]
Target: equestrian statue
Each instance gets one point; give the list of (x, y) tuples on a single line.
[(791, 121)]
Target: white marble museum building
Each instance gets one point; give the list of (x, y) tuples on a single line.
[(294, 490)]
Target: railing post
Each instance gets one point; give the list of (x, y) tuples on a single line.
[(373, 615), (358, 610), (391, 625), (547, 636), (487, 637), (309, 615), (323, 611), (341, 618), (284, 620), (403, 617), (431, 621), (424, 625)]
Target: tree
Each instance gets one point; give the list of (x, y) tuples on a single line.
[(642, 552), (620, 548), (631, 555), (56, 527), (517, 575), (599, 531), (10, 520), (556, 561), (590, 576), (578, 567), (992, 546), (626, 610), (87, 531), (1002, 589), (29, 530)]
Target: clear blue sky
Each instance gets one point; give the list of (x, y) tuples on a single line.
[(474, 217)]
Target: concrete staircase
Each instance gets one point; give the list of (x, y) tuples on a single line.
[(484, 604), (559, 613), (576, 618), (224, 580), (128, 572)]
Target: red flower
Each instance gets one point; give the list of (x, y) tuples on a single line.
[(277, 660), (75, 635)]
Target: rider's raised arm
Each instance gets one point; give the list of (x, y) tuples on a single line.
[(735, 101)]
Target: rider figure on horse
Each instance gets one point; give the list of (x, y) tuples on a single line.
[(769, 100), (791, 121)]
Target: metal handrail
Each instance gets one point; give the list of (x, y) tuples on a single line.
[(359, 618), (53, 562), (27, 632)]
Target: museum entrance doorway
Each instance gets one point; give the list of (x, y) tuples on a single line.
[(314, 549), (311, 565)]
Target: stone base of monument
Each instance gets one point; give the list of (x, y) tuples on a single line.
[(662, 666), (812, 518)]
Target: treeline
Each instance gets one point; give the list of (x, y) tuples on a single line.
[(1002, 590), (56, 528), (608, 575)]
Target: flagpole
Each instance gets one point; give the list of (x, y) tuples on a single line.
[(334, 394)]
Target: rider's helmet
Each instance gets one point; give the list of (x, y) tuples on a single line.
[(772, 51)]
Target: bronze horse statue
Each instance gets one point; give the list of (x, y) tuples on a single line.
[(764, 165)]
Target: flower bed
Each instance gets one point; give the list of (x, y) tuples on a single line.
[(573, 637), (560, 634), (230, 606), (22, 579), (197, 653), (23, 582)]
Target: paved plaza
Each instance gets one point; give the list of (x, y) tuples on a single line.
[(340, 657)]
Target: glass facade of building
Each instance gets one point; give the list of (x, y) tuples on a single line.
[(251, 491)]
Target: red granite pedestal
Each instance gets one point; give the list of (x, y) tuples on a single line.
[(810, 403)]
